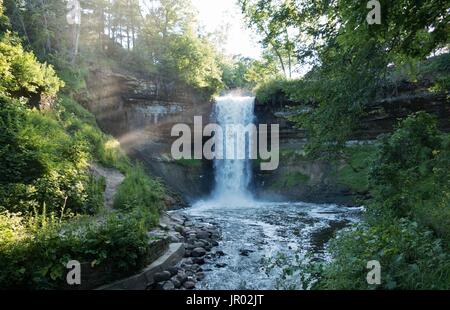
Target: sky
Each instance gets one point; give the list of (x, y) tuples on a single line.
[(213, 14)]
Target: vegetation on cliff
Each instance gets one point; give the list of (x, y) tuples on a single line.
[(51, 205), (406, 224)]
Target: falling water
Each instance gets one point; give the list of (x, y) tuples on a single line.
[(232, 176)]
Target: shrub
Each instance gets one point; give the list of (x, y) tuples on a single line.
[(95, 195), (81, 124), (35, 255), (139, 192), (291, 180), (410, 257), (46, 190), (40, 163), (405, 162), (21, 73), (72, 112), (355, 172), (20, 158), (271, 91), (406, 224)]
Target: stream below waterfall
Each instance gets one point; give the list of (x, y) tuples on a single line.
[(255, 232)]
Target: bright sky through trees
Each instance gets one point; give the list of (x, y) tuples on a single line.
[(215, 14)]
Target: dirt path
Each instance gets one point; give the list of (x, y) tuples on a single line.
[(113, 179)]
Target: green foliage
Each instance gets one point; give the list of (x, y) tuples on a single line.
[(72, 112), (350, 61), (437, 71), (20, 157), (406, 225), (297, 271), (409, 165), (195, 63), (81, 124), (270, 92), (234, 73), (42, 163), (21, 73), (292, 179), (35, 250), (193, 163), (432, 73), (95, 190), (73, 76), (46, 154), (355, 171), (4, 21), (262, 71), (246, 73), (139, 192), (42, 24), (170, 50), (411, 258), (272, 21), (162, 44), (49, 202)]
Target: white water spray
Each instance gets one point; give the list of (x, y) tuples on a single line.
[(233, 176)]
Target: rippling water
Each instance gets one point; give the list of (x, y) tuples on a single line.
[(256, 230)]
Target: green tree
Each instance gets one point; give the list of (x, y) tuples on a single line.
[(169, 48), (351, 58), (271, 20)]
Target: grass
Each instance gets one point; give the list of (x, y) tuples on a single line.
[(83, 125), (140, 193), (191, 163), (291, 179)]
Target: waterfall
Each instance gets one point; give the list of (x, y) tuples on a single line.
[(233, 176)]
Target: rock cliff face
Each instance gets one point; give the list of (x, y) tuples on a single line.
[(297, 177), (132, 110), (304, 179), (141, 117)]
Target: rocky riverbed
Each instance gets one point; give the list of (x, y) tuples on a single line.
[(226, 247), (254, 235), (200, 240)]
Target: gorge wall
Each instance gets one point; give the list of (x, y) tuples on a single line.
[(133, 110), (298, 177), (321, 181), (141, 117)]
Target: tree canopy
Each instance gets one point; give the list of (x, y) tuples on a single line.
[(156, 38), (350, 58)]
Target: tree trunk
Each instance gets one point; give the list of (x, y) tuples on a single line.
[(76, 42), (280, 58), (48, 43)]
